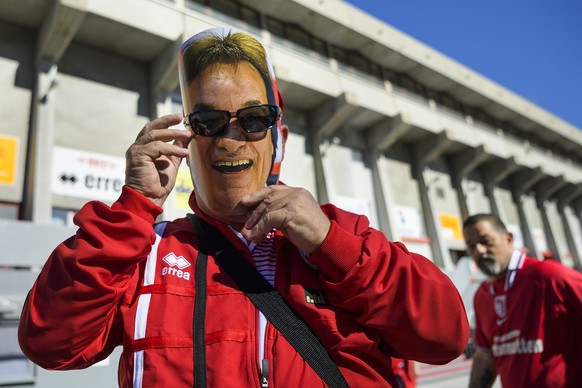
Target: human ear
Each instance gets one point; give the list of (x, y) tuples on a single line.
[(285, 134), (509, 238)]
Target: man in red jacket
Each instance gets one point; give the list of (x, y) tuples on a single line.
[(125, 280), (528, 314)]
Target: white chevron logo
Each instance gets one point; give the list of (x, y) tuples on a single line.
[(174, 261)]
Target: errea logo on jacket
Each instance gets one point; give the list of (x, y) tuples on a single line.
[(176, 266)]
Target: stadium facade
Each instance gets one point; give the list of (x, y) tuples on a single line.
[(381, 124)]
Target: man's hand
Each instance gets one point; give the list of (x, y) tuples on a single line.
[(483, 371), (152, 161), (292, 210)]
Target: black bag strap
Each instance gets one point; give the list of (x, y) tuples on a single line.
[(268, 300), (198, 323)]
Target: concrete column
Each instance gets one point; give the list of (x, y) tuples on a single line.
[(568, 194), (423, 153), (371, 159), (164, 70), (544, 190), (59, 29), (565, 197), (577, 207), (521, 183), (385, 134), (323, 122), (493, 174), (379, 139), (54, 36), (461, 164), (320, 184), (37, 200)]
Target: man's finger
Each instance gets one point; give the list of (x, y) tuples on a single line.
[(256, 197), (265, 200), (165, 121), (161, 123), (157, 149), (164, 135), (266, 223), (260, 212)]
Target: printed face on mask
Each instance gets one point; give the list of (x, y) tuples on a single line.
[(234, 163), (489, 248)]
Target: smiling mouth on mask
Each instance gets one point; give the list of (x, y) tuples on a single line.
[(233, 166)]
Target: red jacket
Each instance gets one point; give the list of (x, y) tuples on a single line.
[(109, 285)]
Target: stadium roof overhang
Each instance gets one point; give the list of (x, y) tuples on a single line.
[(125, 33)]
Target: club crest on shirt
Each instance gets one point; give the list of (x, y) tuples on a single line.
[(500, 304), (315, 297)]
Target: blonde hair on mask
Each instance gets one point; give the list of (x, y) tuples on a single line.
[(231, 49)]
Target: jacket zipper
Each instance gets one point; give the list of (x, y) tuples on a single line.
[(265, 374), (264, 362), (264, 377)]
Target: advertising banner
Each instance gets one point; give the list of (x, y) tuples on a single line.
[(84, 174), (8, 159)]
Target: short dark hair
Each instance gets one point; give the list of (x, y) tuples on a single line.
[(497, 224)]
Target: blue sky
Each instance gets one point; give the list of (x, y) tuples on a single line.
[(531, 47)]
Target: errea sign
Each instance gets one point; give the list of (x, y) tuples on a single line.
[(86, 174)]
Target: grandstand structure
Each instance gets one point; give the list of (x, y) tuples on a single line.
[(381, 124)]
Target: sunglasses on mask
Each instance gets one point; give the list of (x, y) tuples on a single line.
[(252, 119)]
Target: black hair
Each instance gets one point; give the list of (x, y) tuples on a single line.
[(497, 224)]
